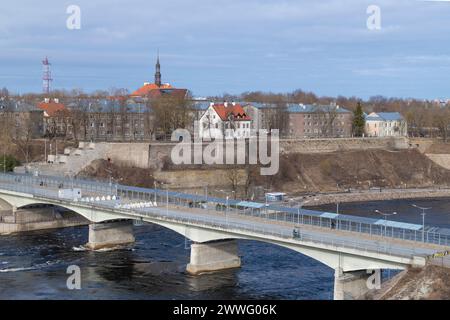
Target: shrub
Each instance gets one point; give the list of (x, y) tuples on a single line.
[(8, 163)]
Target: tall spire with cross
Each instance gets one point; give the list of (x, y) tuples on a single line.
[(158, 72)]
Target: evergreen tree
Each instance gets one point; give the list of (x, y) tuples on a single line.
[(7, 163), (359, 122)]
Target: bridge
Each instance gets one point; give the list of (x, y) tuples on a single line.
[(352, 246)]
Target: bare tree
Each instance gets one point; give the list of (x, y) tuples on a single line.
[(327, 120), (22, 138), (170, 113), (233, 176), (441, 119)]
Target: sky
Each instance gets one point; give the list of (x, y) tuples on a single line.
[(217, 46)]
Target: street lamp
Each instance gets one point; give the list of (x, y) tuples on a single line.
[(110, 178), (206, 196), (299, 208), (167, 196), (227, 199), (385, 218), (226, 211), (423, 214), (167, 199)]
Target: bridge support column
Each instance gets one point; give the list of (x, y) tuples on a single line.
[(350, 285), (110, 234), (213, 256)]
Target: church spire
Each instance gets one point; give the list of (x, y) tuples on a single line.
[(158, 72)]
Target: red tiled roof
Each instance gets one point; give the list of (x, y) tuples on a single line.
[(147, 88), (236, 110), (51, 108)]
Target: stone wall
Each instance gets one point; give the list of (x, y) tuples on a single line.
[(133, 154), (151, 155), (159, 151), (333, 145)]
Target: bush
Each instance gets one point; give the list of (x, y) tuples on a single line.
[(326, 167), (8, 163)]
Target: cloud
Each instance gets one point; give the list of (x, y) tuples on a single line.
[(227, 45)]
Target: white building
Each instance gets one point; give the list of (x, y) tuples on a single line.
[(386, 124), (227, 120)]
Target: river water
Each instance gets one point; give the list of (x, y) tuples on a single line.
[(34, 265)]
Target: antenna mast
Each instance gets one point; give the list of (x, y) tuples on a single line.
[(47, 76)]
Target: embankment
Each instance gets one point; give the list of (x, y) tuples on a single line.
[(300, 173), (428, 283)]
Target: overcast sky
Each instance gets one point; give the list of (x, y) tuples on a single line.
[(217, 46)]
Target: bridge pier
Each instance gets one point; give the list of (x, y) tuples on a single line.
[(110, 234), (350, 285), (213, 256)]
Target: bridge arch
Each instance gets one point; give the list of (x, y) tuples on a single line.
[(94, 215), (5, 205), (201, 235), (330, 257)]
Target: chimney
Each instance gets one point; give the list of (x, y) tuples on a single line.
[(233, 103), (56, 100), (47, 100), (226, 104)]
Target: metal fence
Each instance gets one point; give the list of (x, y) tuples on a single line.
[(47, 186), (228, 226)]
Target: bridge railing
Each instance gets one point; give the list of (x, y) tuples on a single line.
[(257, 228), (42, 184), (286, 215), (286, 233)]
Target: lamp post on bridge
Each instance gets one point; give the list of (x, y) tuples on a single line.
[(385, 215), (226, 203), (167, 196), (299, 208), (167, 199), (110, 179), (226, 211), (423, 214), (206, 197)]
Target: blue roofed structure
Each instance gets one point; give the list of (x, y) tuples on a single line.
[(385, 124), (313, 108)]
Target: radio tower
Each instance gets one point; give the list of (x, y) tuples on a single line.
[(47, 76)]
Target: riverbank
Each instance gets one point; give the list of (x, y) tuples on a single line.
[(372, 195), (429, 283)]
